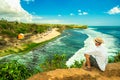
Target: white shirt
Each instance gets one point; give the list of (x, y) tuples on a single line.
[(100, 54)]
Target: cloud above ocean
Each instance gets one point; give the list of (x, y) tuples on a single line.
[(71, 14), (114, 10)]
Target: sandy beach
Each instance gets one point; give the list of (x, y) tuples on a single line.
[(45, 36)]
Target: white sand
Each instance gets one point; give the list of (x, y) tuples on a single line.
[(45, 36)]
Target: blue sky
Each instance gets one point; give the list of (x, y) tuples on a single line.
[(88, 12)]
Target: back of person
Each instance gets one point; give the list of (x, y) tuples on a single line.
[(101, 57)]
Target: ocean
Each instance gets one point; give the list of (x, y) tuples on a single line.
[(73, 43)]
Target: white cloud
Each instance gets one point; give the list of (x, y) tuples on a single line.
[(114, 10), (35, 18), (79, 10), (12, 10), (85, 13), (82, 13), (52, 21), (28, 1), (71, 14), (59, 15)]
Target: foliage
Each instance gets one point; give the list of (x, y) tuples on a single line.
[(8, 32), (14, 71), (117, 58), (77, 64), (54, 62), (30, 46), (14, 28), (110, 60)]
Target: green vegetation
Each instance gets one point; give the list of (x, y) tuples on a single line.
[(12, 29), (77, 64), (58, 61), (54, 62), (14, 71), (115, 58)]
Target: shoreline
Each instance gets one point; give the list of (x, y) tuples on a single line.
[(45, 36), (34, 41)]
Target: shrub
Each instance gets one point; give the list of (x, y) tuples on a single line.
[(117, 58), (13, 71), (77, 64), (54, 62), (110, 60)]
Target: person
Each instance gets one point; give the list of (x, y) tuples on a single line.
[(96, 57)]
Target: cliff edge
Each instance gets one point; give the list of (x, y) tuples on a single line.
[(112, 72)]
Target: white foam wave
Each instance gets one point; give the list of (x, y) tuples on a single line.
[(56, 42), (88, 44)]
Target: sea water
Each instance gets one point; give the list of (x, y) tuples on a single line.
[(73, 43)]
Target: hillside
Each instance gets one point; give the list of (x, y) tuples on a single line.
[(112, 73)]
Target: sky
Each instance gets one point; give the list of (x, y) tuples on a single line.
[(84, 12)]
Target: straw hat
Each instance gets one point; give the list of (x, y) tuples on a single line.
[(99, 40)]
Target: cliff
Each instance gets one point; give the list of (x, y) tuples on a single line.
[(112, 72)]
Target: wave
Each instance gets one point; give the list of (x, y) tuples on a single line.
[(56, 42), (109, 43)]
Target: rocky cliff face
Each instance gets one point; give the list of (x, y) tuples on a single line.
[(112, 73)]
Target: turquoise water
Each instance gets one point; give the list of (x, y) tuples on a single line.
[(73, 43), (110, 30)]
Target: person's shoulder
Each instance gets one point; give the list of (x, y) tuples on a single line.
[(104, 48)]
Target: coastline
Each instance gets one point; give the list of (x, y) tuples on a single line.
[(45, 36), (33, 42), (41, 39)]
